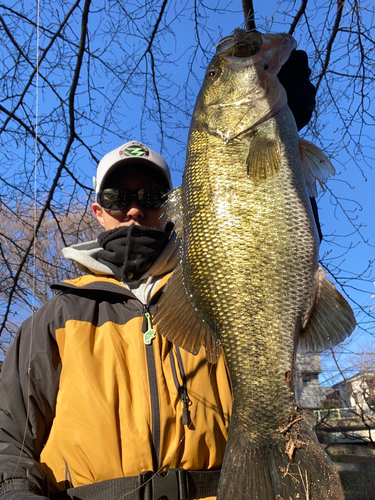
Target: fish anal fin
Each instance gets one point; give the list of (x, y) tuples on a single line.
[(316, 166), (178, 320), (264, 158), (331, 320)]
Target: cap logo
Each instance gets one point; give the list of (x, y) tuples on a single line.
[(135, 150)]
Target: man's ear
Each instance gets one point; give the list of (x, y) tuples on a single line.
[(98, 211)]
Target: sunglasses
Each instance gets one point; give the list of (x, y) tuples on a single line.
[(121, 198)]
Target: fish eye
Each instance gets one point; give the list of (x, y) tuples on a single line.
[(212, 74)]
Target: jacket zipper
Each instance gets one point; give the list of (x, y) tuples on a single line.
[(148, 335)]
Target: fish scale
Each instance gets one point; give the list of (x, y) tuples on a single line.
[(249, 268)]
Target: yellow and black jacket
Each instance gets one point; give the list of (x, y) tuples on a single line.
[(84, 399)]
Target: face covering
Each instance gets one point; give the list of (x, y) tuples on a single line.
[(129, 251)]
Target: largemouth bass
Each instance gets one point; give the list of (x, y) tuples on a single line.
[(249, 281)]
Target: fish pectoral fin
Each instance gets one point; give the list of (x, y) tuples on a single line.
[(174, 206), (331, 320), (179, 322), (316, 166), (264, 158)]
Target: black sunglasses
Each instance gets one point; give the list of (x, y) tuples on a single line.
[(121, 198)]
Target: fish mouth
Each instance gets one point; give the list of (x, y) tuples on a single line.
[(240, 44), (251, 47)]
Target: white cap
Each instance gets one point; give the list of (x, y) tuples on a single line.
[(132, 152)]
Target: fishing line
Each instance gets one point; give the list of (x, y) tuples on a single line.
[(35, 178), (34, 236)]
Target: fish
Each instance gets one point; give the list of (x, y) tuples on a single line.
[(248, 283)]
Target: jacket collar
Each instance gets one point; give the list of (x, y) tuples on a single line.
[(90, 282)]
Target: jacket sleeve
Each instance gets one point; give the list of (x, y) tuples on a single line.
[(28, 390)]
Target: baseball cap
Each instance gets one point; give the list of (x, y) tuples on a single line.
[(132, 152)]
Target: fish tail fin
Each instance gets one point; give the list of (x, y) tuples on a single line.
[(276, 471), (245, 473)]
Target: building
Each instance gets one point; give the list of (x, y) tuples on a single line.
[(309, 393), (357, 391), (350, 418)]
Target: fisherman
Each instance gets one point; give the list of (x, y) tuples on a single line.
[(95, 404)]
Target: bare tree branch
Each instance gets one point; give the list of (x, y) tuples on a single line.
[(298, 16), (62, 162), (136, 74), (335, 30), (248, 12), (32, 76)]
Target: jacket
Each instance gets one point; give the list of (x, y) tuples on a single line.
[(84, 398)]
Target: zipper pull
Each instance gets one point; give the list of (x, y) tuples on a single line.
[(148, 332), (186, 402)]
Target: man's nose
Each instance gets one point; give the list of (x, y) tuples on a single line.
[(135, 209)]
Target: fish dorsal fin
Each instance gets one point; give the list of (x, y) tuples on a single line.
[(178, 320), (264, 157), (331, 320), (316, 166)]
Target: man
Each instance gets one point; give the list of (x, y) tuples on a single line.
[(95, 404), (101, 395)]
